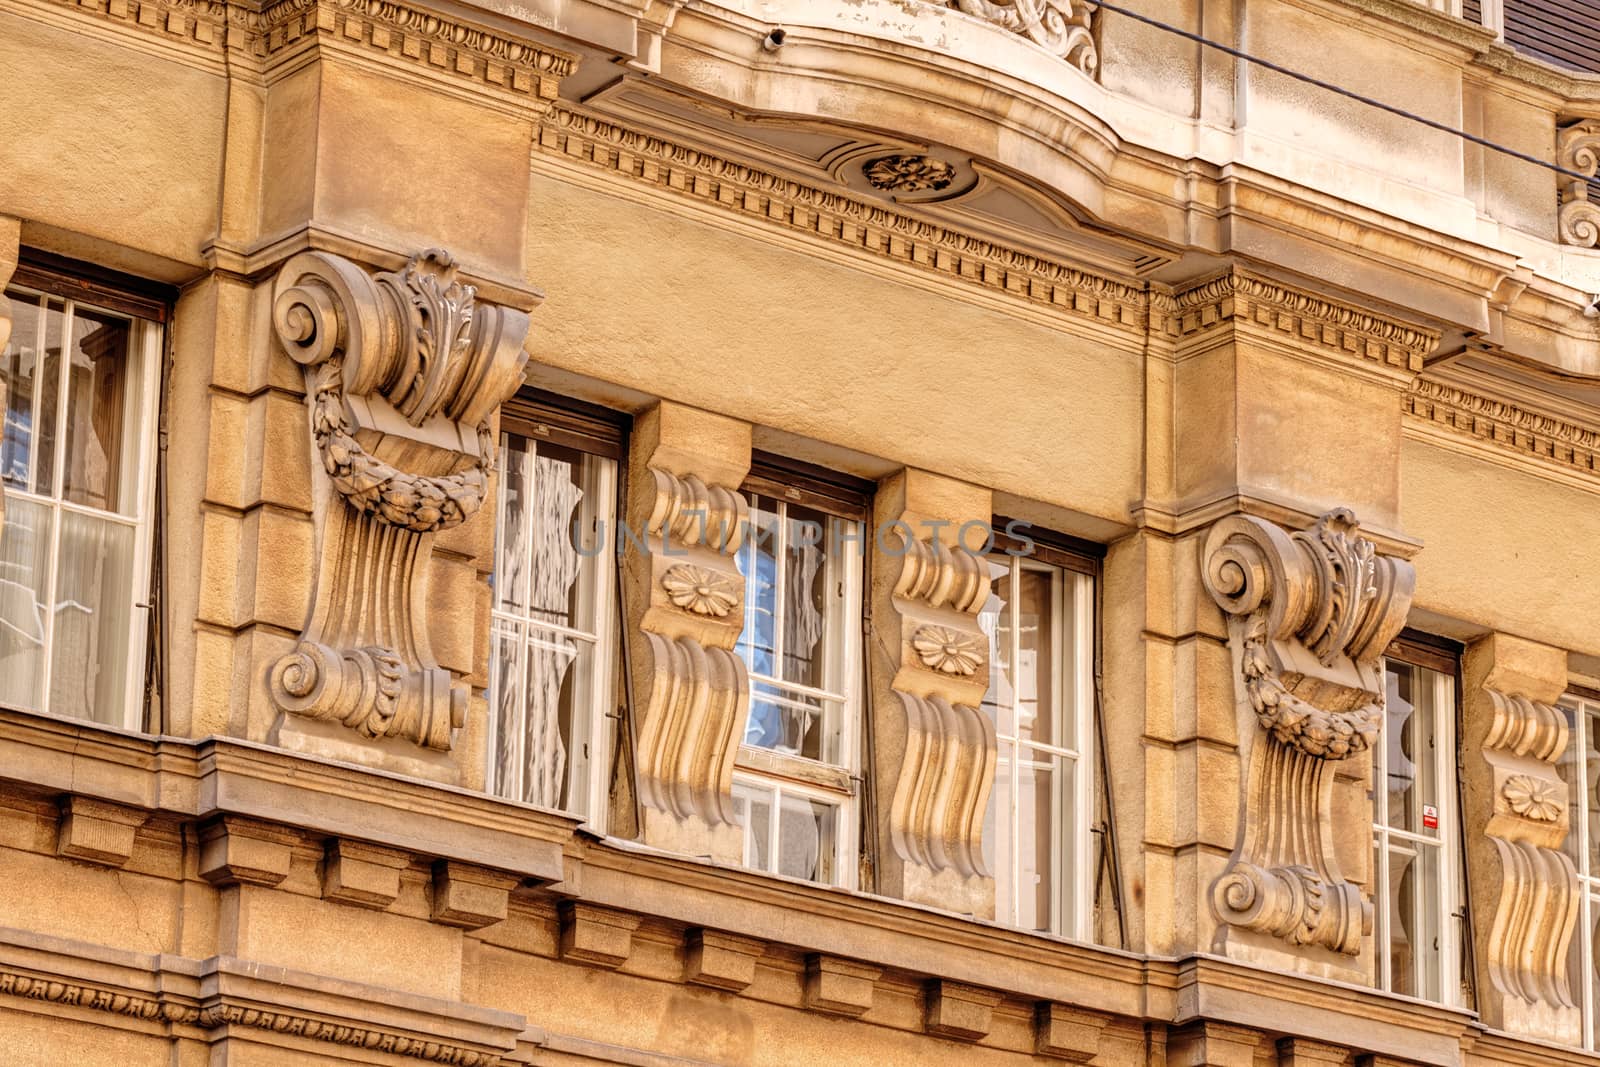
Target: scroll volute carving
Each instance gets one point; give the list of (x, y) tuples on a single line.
[(1578, 149), (1309, 616), (403, 373)]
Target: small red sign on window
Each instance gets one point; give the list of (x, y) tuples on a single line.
[(1430, 817)]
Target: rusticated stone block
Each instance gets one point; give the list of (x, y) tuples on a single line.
[(960, 1011), (98, 831), (726, 961), (840, 986), (367, 876), (599, 936), (1208, 1044), (1067, 1033), (235, 850), (468, 896)]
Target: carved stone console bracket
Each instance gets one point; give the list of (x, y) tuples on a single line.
[(403, 374), (944, 769), (1309, 616), (1061, 27), (1522, 880), (1578, 149)]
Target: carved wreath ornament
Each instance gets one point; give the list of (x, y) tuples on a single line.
[(1532, 798), (947, 651), (909, 174), (700, 591)]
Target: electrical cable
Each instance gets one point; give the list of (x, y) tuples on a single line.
[(1339, 91)]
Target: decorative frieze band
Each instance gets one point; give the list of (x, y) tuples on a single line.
[(1506, 426), (1340, 328), (861, 225)]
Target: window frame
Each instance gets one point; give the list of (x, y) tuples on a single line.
[(1574, 701), (1443, 659), (147, 307), (790, 481), (543, 417), (1079, 565)]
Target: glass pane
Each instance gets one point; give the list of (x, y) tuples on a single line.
[(1413, 785), (507, 675), (96, 408), (996, 620), (805, 588), (1037, 804), (758, 563), (93, 619), (21, 371), (1414, 927), (1036, 667), (999, 836), (513, 550), (547, 715), (807, 838), (1380, 915), (24, 573), (1591, 796), (785, 722), (753, 806)]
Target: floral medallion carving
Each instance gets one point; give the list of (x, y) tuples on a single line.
[(701, 591), (947, 651), (1534, 798), (909, 174)]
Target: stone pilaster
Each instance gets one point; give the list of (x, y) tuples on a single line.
[(684, 597), (934, 748), (1524, 887)]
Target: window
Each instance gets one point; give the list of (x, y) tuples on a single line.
[(1580, 767), (553, 630), (1036, 840), (794, 787), (1416, 847), (81, 373)]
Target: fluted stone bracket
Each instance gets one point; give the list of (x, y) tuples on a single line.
[(685, 598), (1578, 149), (1309, 616), (1517, 822), (935, 747), (1063, 28), (404, 372)]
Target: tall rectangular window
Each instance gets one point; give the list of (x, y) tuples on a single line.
[(1580, 767), (795, 787), (553, 639), (1416, 860), (81, 373), (1036, 834)]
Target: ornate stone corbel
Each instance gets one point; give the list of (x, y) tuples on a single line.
[(1061, 27), (693, 690), (403, 374), (935, 747), (1578, 149), (1518, 799), (1309, 616)]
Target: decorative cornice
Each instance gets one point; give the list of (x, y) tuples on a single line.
[(407, 33), (1500, 423), (1342, 328), (859, 224)]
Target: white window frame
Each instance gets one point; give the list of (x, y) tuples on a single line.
[(145, 338), (1072, 901), (792, 774), (1448, 842), (1578, 705), (592, 738)]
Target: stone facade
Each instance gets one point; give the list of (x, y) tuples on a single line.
[(1283, 379)]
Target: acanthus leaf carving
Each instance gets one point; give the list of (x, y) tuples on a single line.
[(408, 365), (1063, 28), (1309, 616)]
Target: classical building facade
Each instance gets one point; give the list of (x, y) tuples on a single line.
[(767, 532)]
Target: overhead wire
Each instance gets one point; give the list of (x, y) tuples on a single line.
[(1338, 90)]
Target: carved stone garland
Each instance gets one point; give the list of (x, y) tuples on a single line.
[(1578, 149), (1061, 27), (403, 372), (1309, 616), (1537, 907)]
